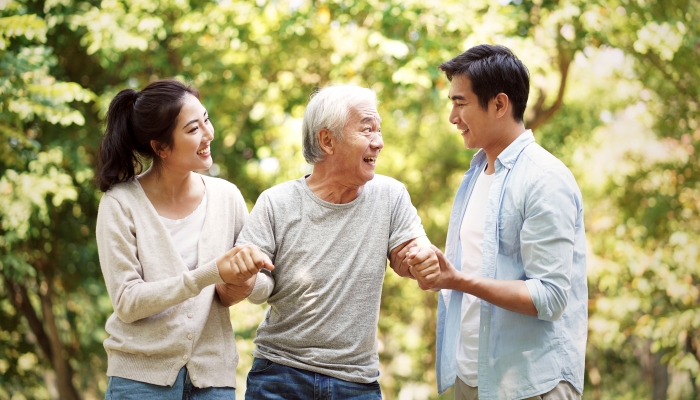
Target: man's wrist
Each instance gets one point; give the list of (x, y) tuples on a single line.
[(456, 281)]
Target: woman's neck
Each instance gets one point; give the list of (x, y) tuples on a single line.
[(173, 195)]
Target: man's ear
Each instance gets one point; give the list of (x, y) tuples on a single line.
[(326, 140), (502, 104), (161, 149)]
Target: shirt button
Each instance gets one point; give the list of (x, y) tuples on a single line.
[(185, 357), (189, 336), (194, 379), (190, 315)]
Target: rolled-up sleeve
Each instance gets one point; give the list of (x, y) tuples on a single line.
[(553, 204)]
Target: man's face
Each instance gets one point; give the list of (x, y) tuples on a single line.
[(468, 116), (359, 149)]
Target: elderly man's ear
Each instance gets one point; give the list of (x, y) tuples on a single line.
[(326, 140)]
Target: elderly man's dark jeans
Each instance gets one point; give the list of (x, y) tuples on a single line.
[(271, 381)]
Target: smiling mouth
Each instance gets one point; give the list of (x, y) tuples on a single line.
[(370, 160), (465, 131), (204, 151)]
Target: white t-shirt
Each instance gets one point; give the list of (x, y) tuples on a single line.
[(471, 235), (185, 233)]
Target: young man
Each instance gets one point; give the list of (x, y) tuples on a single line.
[(512, 318)]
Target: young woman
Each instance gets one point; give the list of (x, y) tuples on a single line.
[(165, 239)]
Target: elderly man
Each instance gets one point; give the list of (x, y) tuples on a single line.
[(329, 235)]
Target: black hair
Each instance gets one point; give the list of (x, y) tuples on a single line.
[(134, 119), (492, 70)]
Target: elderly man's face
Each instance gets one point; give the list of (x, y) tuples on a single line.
[(359, 149)]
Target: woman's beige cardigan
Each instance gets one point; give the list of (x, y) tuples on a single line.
[(166, 316)]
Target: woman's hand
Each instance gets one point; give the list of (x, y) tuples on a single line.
[(241, 263)]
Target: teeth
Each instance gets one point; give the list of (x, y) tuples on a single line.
[(370, 159), (204, 150)]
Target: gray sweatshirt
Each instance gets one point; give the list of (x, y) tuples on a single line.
[(330, 261)]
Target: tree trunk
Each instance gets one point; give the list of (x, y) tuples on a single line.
[(59, 358), (659, 375), (20, 299)]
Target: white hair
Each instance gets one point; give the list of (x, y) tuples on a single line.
[(329, 108)]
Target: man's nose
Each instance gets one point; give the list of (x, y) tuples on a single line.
[(454, 116), (377, 141)]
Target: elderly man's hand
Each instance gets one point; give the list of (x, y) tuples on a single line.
[(397, 259), (424, 266), (241, 263), (230, 294)]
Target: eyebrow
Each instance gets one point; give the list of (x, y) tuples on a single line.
[(456, 97), (370, 119), (194, 120)]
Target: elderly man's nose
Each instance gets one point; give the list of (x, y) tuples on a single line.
[(377, 141)]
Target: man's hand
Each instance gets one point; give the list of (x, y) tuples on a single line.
[(424, 265), (448, 273), (242, 263), (230, 294), (397, 258)]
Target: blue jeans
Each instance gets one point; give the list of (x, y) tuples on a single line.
[(271, 381), (121, 388)]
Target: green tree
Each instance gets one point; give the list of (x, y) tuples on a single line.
[(46, 265), (649, 239), (592, 64)]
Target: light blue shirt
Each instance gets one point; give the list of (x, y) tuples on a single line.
[(533, 232)]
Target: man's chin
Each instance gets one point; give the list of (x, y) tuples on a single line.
[(369, 177)]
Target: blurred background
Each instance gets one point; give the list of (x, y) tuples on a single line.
[(614, 94)]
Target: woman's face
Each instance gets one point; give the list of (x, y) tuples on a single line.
[(191, 138)]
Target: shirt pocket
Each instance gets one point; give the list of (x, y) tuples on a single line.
[(509, 226)]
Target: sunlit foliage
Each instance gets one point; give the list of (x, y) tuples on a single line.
[(614, 95)]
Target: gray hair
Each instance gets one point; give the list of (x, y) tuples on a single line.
[(329, 108)]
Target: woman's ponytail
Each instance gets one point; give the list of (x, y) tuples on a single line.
[(118, 159)]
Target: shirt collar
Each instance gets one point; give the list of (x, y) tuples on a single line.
[(511, 153)]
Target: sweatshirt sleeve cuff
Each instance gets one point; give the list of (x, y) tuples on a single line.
[(207, 274)]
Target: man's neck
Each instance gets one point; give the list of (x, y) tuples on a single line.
[(512, 132), (327, 188)]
